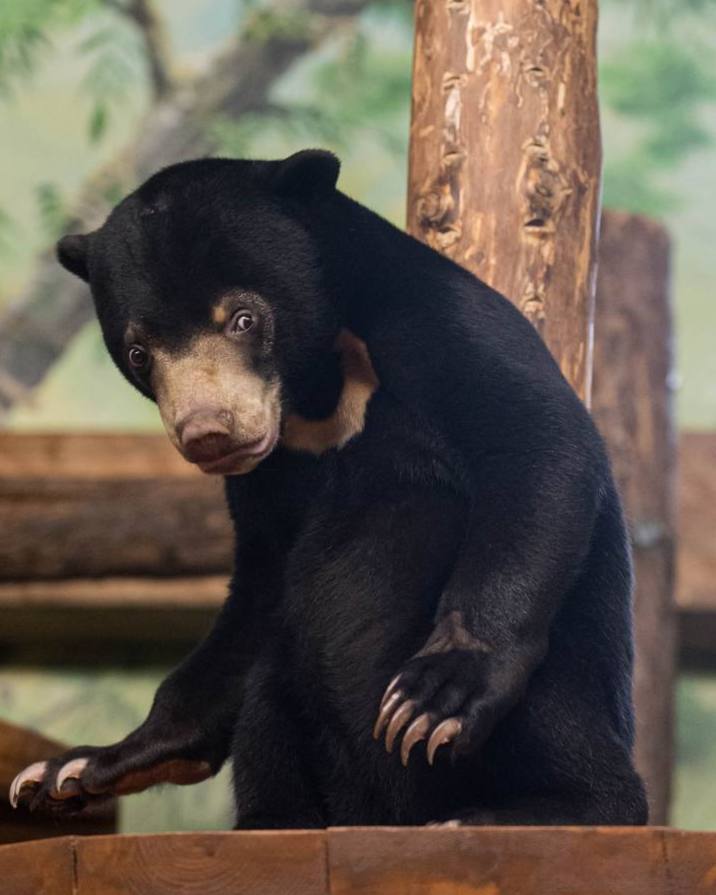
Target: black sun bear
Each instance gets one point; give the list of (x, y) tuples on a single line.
[(429, 616)]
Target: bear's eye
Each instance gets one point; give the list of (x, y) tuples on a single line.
[(138, 357), (241, 322)]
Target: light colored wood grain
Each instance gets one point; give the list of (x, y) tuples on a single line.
[(505, 156), (373, 861), (37, 868), (633, 407), (117, 593), (63, 527), (507, 861), (90, 456), (261, 863)]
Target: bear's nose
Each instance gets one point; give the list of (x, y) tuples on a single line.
[(206, 434)]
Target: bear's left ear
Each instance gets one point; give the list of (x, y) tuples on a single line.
[(311, 172), (72, 254)]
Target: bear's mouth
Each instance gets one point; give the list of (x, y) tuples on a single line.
[(242, 458)]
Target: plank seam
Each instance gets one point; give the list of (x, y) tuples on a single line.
[(327, 881), (75, 861), (666, 859)]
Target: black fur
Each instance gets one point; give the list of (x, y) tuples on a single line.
[(479, 486)]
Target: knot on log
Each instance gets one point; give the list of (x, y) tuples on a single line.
[(458, 6), (446, 237), (535, 75), (532, 306), (545, 188), (433, 207)]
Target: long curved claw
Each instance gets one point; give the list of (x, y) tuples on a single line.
[(417, 731), (32, 775), (402, 715), (389, 690), (385, 713), (69, 773), (444, 733)]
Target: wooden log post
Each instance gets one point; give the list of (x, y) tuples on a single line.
[(505, 156), (504, 178), (633, 377)]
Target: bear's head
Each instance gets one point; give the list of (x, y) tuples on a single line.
[(210, 295)]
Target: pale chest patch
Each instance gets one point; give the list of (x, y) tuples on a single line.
[(347, 420)]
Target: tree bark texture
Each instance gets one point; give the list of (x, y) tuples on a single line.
[(633, 378), (505, 156)]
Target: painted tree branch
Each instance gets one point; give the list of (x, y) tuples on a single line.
[(35, 329), (156, 42)]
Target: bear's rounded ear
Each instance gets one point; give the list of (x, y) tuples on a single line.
[(72, 254), (311, 172)]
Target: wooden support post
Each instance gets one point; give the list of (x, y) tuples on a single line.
[(504, 178), (505, 156), (633, 408)]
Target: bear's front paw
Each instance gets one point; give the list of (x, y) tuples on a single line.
[(440, 694), (438, 698), (88, 774)]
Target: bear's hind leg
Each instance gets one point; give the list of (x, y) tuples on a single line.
[(557, 759), (624, 808)]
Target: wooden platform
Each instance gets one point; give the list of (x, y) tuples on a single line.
[(370, 861)]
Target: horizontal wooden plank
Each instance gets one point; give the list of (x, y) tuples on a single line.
[(173, 610), (38, 868), (115, 515), (89, 620), (91, 455), (59, 528), (392, 861), (497, 862), (270, 863), (83, 506), (201, 592)]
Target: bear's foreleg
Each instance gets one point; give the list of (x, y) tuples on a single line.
[(185, 738), (529, 533)]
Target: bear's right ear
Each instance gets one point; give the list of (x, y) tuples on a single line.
[(72, 254), (311, 172)]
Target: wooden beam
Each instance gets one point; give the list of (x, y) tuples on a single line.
[(505, 156), (88, 620), (200, 592), (91, 455), (390, 861), (111, 461), (633, 383), (62, 527)]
